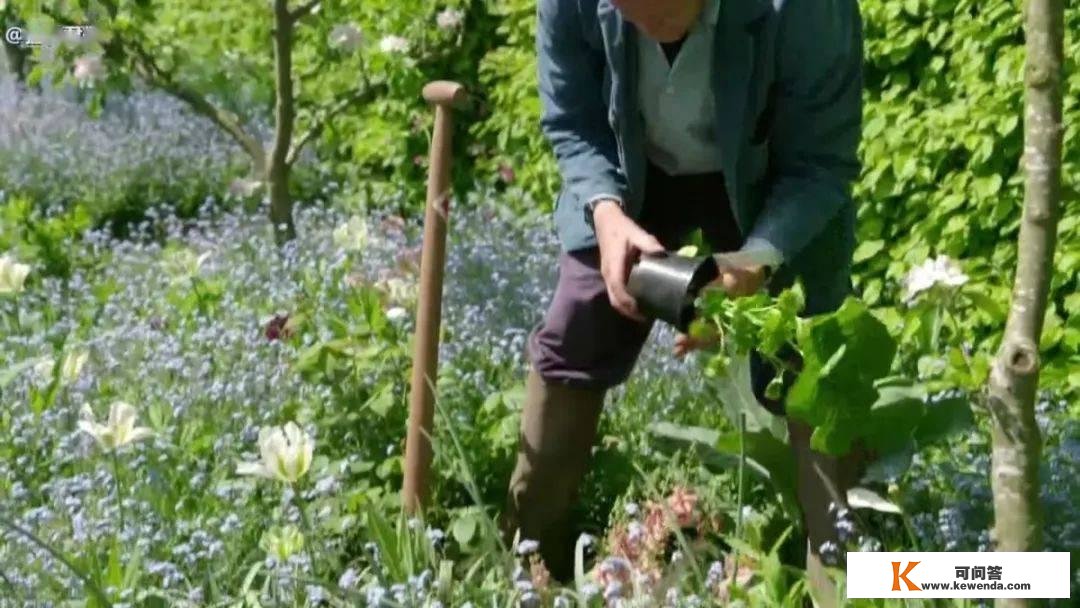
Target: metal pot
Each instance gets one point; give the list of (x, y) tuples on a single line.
[(665, 286)]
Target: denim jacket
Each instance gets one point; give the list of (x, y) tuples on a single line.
[(788, 90)]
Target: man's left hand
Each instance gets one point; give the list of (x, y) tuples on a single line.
[(736, 282)]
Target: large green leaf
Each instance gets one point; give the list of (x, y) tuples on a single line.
[(844, 353), (735, 392), (894, 416), (942, 419)]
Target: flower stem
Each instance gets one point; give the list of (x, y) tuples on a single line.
[(935, 333), (309, 531), (739, 512), (119, 493)]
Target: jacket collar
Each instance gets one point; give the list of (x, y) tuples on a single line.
[(741, 12)]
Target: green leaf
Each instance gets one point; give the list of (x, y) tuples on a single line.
[(943, 419), (867, 250), (890, 466), (735, 392), (382, 401), (465, 528), (894, 416), (685, 435), (768, 457), (844, 354), (985, 303)]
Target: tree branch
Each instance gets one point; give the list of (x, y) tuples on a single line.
[(364, 95), (225, 120), (303, 10), (146, 67)]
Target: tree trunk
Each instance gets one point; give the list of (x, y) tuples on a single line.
[(277, 170), (1014, 377)]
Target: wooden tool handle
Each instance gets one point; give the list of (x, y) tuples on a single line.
[(418, 453), (445, 93)]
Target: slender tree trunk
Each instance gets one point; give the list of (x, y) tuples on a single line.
[(277, 169), (1014, 377)]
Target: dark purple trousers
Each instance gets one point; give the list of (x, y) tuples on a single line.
[(583, 341)]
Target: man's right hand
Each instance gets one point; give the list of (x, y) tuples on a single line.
[(621, 242)]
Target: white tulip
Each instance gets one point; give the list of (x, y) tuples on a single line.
[(449, 19), (282, 543), (394, 44), (183, 263), (70, 367), (352, 235), (400, 291), (12, 275), (938, 271), (43, 369), (346, 37), (120, 429), (285, 454)]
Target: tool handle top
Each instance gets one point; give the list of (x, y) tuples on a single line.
[(445, 93)]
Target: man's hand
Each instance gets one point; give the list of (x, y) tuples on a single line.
[(621, 242), (736, 282)]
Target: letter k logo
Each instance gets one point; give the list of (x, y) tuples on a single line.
[(897, 575)]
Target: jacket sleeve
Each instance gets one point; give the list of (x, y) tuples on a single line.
[(818, 121), (573, 111)]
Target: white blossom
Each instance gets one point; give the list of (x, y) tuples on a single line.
[(118, 431), (397, 314), (938, 271), (282, 543), (70, 367), (88, 68), (12, 275), (449, 19), (285, 454), (394, 44), (352, 235), (346, 37)]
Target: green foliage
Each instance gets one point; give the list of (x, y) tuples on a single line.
[(846, 382), (844, 354), (942, 146), (44, 239), (509, 134)]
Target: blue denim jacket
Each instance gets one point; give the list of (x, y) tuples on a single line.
[(788, 89)]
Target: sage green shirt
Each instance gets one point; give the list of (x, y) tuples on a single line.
[(677, 101)]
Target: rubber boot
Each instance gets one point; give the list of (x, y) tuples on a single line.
[(821, 480), (558, 428)]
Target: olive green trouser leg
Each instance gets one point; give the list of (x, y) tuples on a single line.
[(820, 480), (558, 428)]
